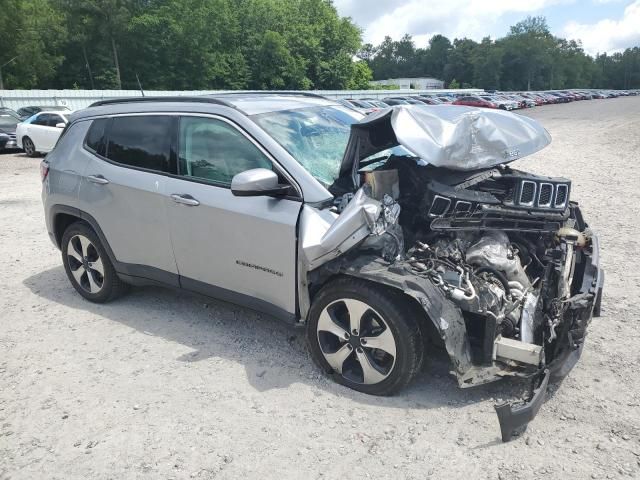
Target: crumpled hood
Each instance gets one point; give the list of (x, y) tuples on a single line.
[(448, 136)]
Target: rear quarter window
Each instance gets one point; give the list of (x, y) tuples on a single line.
[(96, 138)]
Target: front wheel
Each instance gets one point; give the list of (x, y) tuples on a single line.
[(365, 335)]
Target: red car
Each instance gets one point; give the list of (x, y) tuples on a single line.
[(474, 101)]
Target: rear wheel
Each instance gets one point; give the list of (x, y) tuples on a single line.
[(87, 265), (365, 335), (29, 147)]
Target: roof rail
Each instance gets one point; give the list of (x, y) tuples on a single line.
[(206, 98), (303, 93), (190, 99)]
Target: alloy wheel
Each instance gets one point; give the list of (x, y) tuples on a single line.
[(29, 147), (356, 341), (85, 264)]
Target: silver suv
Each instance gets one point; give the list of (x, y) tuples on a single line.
[(374, 233)]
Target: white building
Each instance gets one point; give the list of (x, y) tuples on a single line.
[(420, 83)]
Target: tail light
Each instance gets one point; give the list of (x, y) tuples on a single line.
[(44, 170)]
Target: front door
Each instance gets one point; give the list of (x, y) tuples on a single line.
[(241, 249)]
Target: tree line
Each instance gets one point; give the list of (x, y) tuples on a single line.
[(270, 44), (528, 57), (179, 44)]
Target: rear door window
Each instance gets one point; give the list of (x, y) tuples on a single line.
[(54, 119), (41, 119), (141, 141)]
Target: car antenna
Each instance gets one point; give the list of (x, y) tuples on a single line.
[(140, 85)]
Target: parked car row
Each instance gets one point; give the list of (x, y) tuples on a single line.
[(488, 99), (34, 129)]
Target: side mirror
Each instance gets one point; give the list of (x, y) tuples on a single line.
[(257, 182), (60, 125)]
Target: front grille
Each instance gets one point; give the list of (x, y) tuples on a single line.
[(527, 193), (439, 206), (561, 195), (462, 207), (508, 197), (546, 195)]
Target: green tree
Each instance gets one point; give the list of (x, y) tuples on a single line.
[(34, 36), (487, 65), (361, 76)]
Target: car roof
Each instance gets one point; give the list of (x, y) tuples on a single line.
[(57, 112), (248, 103)]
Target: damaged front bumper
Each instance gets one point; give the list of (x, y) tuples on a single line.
[(512, 418), (450, 325), (583, 307)]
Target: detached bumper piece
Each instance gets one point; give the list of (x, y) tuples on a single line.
[(512, 418)]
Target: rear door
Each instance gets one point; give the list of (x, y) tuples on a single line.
[(36, 131), (242, 249), (123, 189), (50, 131)]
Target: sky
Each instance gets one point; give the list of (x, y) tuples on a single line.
[(601, 25)]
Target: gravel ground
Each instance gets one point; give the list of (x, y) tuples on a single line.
[(162, 384)]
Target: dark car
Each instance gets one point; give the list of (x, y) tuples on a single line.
[(394, 101), (8, 125), (402, 101), (430, 100), (30, 110), (8, 111)]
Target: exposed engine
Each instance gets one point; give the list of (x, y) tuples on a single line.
[(483, 274), (501, 244)]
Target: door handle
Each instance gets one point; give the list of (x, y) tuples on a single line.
[(99, 179), (185, 199)]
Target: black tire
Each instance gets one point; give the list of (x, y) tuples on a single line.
[(110, 284), (397, 314), (29, 147)]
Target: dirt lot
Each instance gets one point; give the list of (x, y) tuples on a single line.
[(167, 385)]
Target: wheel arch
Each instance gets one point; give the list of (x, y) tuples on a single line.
[(426, 324), (63, 216), (438, 316)]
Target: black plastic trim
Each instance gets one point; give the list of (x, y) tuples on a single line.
[(236, 298), (168, 99), (513, 418)]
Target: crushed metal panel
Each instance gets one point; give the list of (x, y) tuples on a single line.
[(450, 136), (325, 235)]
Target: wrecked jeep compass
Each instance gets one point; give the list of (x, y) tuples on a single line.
[(375, 233)]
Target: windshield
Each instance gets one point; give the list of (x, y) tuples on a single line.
[(316, 137), (8, 121)]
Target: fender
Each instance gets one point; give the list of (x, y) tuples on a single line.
[(445, 316)]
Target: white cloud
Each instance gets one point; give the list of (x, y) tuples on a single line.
[(453, 18), (608, 35)]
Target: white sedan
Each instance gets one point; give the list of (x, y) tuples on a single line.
[(40, 132)]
